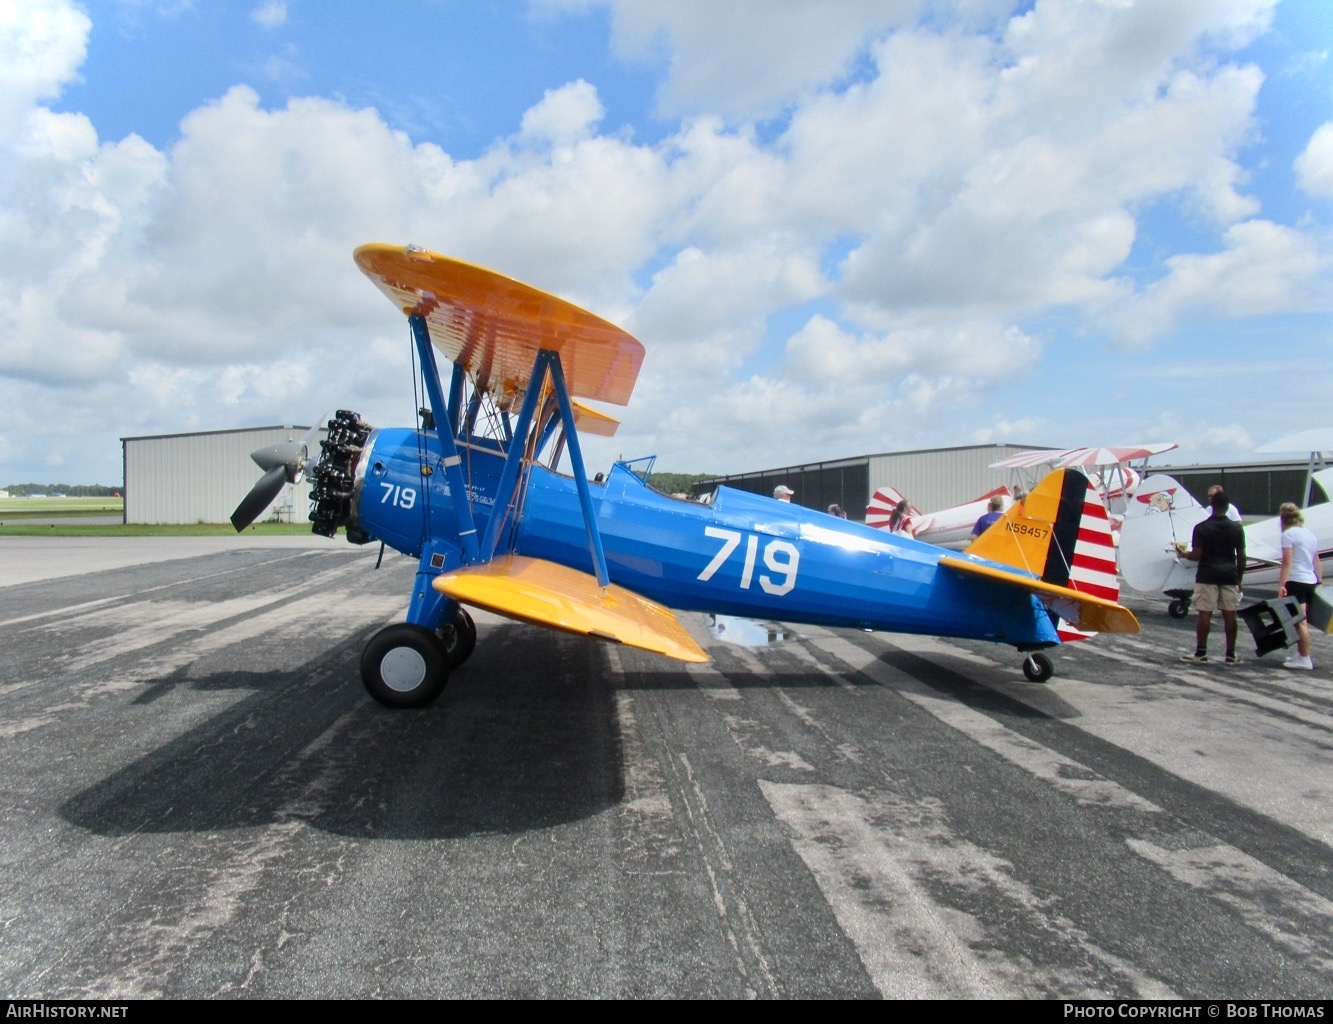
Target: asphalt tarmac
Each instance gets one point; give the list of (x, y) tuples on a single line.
[(198, 799)]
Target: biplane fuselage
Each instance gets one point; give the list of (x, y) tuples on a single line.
[(473, 495), (742, 554)]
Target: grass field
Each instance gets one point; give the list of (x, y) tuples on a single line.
[(8, 529), (17, 517), (13, 509)]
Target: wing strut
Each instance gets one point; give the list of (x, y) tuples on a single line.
[(449, 457), (455, 397), (508, 483), (546, 364), (580, 476)]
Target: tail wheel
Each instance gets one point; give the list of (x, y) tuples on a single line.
[(1038, 668), (1179, 608), (459, 636), (404, 666)]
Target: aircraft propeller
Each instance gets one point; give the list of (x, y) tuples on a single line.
[(282, 463)]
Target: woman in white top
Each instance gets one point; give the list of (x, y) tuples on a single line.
[(1299, 576)]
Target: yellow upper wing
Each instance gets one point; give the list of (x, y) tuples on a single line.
[(494, 325)]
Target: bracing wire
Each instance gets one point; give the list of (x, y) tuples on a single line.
[(417, 404)]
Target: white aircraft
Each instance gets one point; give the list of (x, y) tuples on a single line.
[(951, 528), (1316, 442), (1116, 471), (1162, 512), (1110, 469)]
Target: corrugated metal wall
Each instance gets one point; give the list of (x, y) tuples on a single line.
[(1256, 488), (941, 478), (933, 479), (817, 484), (201, 478)]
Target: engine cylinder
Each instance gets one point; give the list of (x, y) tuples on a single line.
[(334, 476)]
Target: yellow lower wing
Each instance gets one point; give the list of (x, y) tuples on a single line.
[(548, 594), (1083, 611)]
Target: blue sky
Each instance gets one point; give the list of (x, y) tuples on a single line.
[(843, 228), (455, 73)]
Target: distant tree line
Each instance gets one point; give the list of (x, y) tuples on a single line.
[(68, 490), (677, 483)]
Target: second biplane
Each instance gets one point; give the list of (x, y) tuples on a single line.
[(1115, 472), (474, 495)]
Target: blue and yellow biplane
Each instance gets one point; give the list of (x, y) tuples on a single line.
[(473, 493)]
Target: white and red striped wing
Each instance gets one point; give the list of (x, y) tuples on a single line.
[(882, 505)]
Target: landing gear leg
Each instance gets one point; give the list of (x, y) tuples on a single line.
[(458, 633), (1038, 668)]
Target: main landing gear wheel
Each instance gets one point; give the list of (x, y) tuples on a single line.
[(459, 636), (1178, 608), (404, 666), (1038, 668)]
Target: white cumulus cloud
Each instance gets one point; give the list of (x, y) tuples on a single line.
[(858, 226), (270, 15), (1314, 167)]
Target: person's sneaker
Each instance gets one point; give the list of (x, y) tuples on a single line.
[(1200, 659), (1231, 659), (1296, 661)]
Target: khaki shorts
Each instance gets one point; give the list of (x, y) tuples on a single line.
[(1216, 597)]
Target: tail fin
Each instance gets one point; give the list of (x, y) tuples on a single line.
[(1061, 532)]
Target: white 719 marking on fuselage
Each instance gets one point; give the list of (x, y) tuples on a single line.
[(402, 497), (780, 557)]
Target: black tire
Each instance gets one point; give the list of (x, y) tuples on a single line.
[(1178, 609), (1038, 668), (459, 636), (404, 666)]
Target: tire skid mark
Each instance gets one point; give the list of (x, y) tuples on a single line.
[(910, 944), (714, 683), (1276, 705), (141, 624), (738, 924), (673, 776), (299, 621), (872, 857), (1260, 679), (1230, 770), (160, 931), (70, 611), (837, 744), (1066, 775), (1269, 901), (646, 804), (1254, 890)]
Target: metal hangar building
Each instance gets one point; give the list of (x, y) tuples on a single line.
[(930, 478), (939, 478), (202, 477)]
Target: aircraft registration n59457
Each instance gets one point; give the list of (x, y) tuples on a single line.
[(473, 492)]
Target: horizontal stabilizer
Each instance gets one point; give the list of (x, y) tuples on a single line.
[(1084, 611), (547, 594), (1321, 613)]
